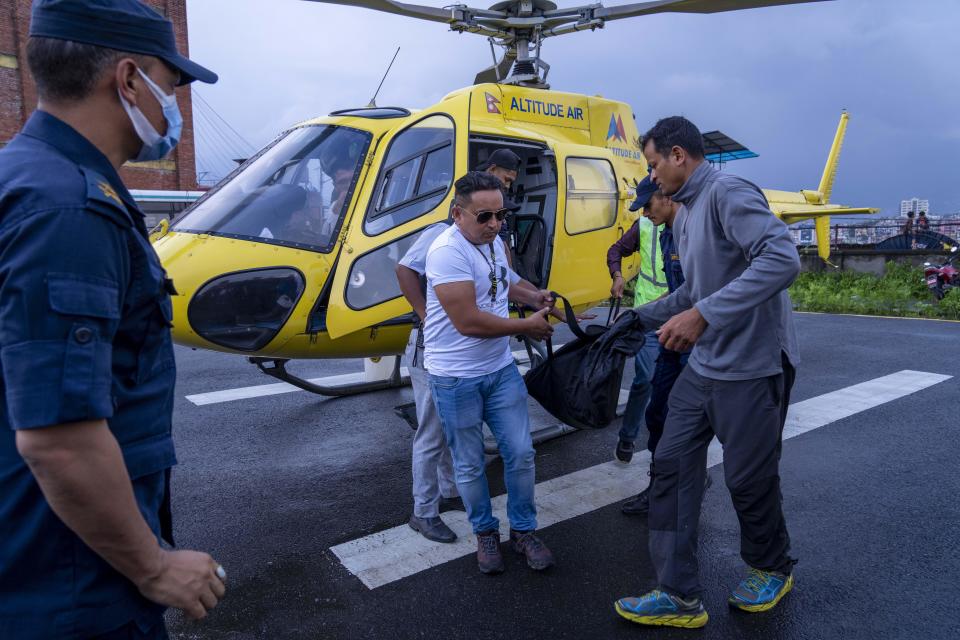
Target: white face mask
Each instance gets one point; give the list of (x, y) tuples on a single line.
[(155, 146)]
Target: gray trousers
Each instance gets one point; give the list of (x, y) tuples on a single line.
[(432, 464), (747, 416)]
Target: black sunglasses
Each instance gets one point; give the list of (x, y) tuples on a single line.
[(483, 217)]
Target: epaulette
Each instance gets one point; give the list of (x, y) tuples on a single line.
[(103, 198)]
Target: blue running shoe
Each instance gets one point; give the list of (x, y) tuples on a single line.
[(661, 609), (761, 590)]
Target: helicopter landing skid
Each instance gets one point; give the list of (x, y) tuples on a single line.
[(542, 434), (277, 368), (548, 432)]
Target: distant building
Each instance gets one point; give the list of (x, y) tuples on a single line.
[(916, 205), (18, 97)]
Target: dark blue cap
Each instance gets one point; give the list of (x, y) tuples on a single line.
[(503, 158), (124, 25), (645, 191)]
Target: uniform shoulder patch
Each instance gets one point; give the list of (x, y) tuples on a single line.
[(103, 198)]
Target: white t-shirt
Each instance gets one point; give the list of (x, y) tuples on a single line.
[(453, 258), (415, 258)]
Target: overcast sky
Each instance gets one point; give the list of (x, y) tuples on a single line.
[(774, 79)]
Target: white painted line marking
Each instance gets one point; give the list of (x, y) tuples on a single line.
[(387, 556), (261, 390)]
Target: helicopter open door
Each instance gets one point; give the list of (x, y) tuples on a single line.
[(415, 168), (532, 227), (590, 221)]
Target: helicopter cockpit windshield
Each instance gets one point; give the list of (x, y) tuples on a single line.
[(296, 193)]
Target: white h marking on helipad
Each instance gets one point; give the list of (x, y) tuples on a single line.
[(387, 556)]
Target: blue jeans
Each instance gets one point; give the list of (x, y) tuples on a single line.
[(640, 389), (500, 400), (669, 366)]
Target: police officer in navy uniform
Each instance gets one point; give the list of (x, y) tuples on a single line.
[(87, 360)]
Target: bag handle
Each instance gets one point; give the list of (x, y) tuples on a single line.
[(571, 317), (614, 311)]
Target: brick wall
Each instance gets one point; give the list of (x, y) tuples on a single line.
[(11, 94), (18, 95)]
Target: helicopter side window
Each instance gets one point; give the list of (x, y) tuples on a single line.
[(373, 278), (591, 195), (400, 184), (416, 176)]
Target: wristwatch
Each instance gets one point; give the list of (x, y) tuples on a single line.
[(617, 274)]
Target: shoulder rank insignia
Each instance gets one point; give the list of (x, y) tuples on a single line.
[(109, 192), (105, 199)]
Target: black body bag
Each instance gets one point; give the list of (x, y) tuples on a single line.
[(579, 384)]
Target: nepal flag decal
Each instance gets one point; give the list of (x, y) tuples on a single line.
[(493, 104)]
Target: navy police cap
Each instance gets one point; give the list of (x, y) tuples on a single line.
[(124, 25), (645, 191)]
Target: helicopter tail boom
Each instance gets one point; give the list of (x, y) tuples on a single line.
[(815, 205)]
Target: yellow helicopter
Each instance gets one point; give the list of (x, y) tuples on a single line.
[(292, 256)]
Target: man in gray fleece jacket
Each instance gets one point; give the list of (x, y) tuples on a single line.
[(734, 310)]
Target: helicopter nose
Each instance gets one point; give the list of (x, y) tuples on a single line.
[(233, 296)]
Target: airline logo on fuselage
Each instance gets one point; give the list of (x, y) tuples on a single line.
[(615, 130), (548, 109), (616, 133), (545, 108)]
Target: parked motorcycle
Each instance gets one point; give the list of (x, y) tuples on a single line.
[(942, 278)]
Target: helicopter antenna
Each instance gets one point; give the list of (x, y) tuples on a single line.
[(373, 100)]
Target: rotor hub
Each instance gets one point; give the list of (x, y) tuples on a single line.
[(516, 7)]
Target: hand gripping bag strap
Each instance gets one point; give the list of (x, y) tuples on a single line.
[(614, 311)]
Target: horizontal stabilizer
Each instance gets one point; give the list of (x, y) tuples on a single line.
[(795, 214)]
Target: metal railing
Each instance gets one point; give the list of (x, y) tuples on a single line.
[(883, 232)]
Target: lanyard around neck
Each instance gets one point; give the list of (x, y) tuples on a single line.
[(492, 263)]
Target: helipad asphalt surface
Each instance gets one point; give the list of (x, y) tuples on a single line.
[(270, 484)]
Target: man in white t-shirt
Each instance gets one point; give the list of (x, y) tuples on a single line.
[(473, 377), (433, 482)]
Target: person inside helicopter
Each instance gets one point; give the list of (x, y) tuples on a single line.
[(505, 165), (315, 222), (339, 165), (296, 192)]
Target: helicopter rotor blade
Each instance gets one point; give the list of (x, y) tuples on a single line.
[(519, 24), (434, 14), (687, 6)]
